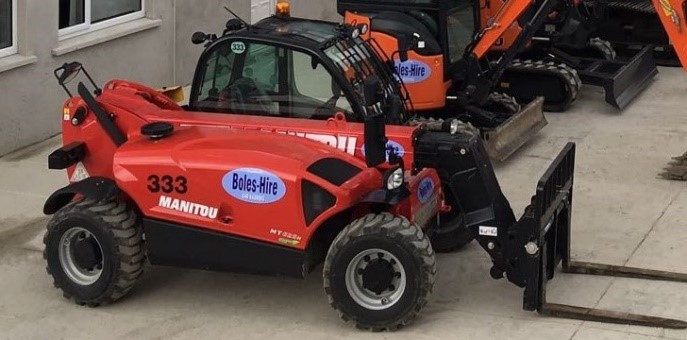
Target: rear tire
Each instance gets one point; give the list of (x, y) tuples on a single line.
[(452, 241), (379, 272), (450, 235), (94, 251)]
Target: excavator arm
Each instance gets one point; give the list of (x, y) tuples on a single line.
[(530, 14), (489, 36), (673, 15)]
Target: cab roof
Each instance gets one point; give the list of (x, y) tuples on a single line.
[(312, 32)]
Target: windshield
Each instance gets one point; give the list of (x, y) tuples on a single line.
[(358, 61)]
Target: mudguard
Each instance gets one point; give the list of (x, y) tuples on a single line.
[(98, 188)]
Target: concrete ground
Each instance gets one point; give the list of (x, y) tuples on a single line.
[(623, 215)]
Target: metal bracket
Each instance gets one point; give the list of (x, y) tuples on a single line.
[(547, 222)]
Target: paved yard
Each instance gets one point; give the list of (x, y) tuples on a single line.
[(622, 215)]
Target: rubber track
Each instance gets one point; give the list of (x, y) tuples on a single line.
[(637, 6), (603, 46), (565, 73)]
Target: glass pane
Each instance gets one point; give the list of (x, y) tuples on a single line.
[(72, 13), (102, 10), (461, 27), (315, 94), (254, 91), (216, 77), (261, 66), (5, 23)]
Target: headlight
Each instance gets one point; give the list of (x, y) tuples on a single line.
[(394, 179), (455, 124)]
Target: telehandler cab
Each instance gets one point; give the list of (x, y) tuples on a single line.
[(222, 191)]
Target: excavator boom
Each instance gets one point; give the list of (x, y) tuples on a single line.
[(509, 13), (673, 15)]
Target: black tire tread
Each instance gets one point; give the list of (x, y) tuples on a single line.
[(124, 227), (394, 227)]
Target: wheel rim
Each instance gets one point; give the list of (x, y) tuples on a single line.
[(81, 256), (375, 279)]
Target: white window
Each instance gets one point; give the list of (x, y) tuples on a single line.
[(83, 16), (8, 27)]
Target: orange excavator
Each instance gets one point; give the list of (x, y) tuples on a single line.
[(445, 66), (482, 43)]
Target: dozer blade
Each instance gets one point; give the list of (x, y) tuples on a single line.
[(622, 81), (508, 137), (676, 170), (546, 232)]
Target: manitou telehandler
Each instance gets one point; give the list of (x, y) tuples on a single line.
[(221, 191), (501, 42)]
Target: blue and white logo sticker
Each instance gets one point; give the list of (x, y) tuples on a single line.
[(391, 145), (254, 186), (425, 190), (413, 71)]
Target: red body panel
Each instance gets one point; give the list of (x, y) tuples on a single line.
[(207, 147)]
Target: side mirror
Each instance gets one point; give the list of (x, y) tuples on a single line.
[(233, 25), (68, 72), (371, 91), (404, 45), (375, 140), (198, 38)]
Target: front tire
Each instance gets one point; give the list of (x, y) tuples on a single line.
[(379, 272), (94, 251)]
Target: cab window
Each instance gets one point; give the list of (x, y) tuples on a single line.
[(262, 79), (460, 24), (315, 93)]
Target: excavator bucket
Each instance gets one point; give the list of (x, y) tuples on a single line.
[(622, 81), (504, 140), (677, 169)]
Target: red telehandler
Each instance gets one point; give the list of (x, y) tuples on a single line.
[(199, 187)]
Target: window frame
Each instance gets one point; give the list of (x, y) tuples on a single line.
[(88, 27), (12, 49)]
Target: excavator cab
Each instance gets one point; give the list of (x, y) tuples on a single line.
[(434, 35)]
